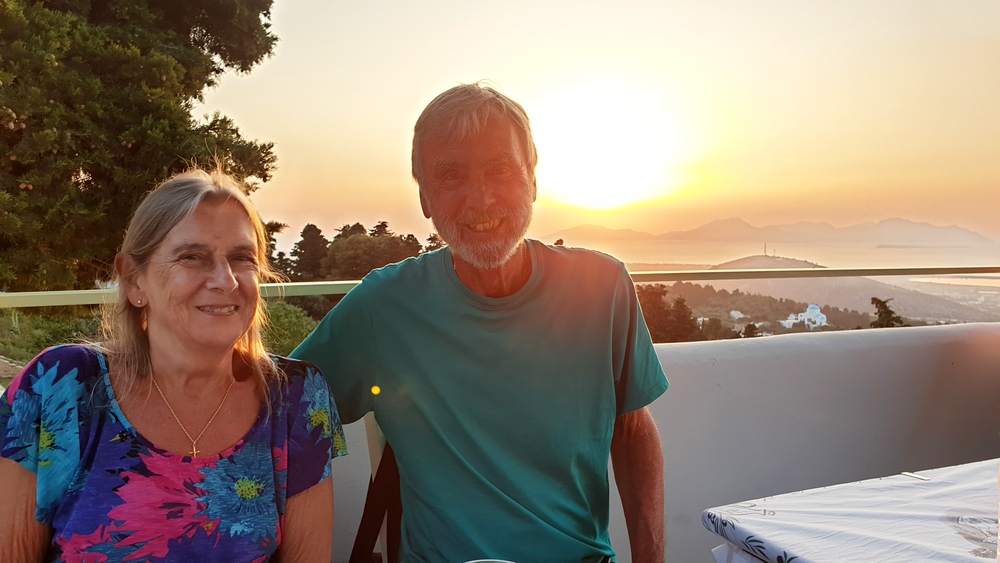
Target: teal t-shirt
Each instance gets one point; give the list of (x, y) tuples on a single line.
[(500, 411)]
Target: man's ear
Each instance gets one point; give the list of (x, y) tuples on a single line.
[(534, 188), (128, 276), (423, 205)]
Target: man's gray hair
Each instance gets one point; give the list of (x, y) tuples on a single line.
[(463, 111)]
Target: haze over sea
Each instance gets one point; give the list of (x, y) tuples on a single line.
[(831, 255)]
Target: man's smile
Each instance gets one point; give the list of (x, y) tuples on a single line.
[(487, 226)]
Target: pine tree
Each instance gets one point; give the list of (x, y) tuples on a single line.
[(308, 254), (885, 316)]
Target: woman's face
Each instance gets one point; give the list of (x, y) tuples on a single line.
[(200, 287)]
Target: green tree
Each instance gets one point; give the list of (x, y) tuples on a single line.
[(351, 258), (656, 311), (434, 242), (350, 230), (682, 326), (381, 229), (272, 228), (95, 109), (308, 253), (885, 317), (712, 329)]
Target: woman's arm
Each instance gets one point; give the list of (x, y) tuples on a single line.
[(308, 530), (22, 538)]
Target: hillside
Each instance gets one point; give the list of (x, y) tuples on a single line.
[(846, 293)]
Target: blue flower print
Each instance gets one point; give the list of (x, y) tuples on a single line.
[(59, 431), (239, 493), (21, 441), (317, 394)]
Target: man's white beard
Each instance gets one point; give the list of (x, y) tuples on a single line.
[(491, 254)]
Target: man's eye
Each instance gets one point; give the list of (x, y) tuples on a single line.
[(189, 257), (451, 176)]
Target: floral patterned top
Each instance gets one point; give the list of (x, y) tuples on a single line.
[(111, 495)]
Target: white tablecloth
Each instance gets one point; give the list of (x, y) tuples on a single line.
[(950, 517)]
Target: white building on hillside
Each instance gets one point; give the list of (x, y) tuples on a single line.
[(812, 317)]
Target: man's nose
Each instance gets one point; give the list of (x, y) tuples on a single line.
[(482, 195), (221, 277)]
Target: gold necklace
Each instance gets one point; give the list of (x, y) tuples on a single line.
[(194, 441)]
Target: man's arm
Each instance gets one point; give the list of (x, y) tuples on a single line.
[(637, 458)]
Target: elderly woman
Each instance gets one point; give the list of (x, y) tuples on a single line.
[(179, 438)]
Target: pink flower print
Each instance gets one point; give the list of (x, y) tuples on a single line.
[(160, 505)]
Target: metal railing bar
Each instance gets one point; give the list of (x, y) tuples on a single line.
[(788, 273), (27, 299)]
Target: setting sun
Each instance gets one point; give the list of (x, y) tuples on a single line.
[(607, 144)]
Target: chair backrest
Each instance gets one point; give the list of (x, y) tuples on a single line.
[(382, 507)]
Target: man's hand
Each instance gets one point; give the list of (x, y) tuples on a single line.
[(637, 458)]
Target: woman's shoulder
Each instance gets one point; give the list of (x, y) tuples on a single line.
[(301, 378), (61, 365)]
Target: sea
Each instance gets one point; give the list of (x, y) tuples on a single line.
[(843, 255), (980, 291)]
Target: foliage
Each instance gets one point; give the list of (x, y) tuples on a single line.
[(352, 257), (288, 326), (885, 316), (750, 331), (24, 335), (682, 326), (706, 301), (316, 306), (381, 229), (95, 109), (350, 230), (667, 322), (434, 242), (308, 254), (272, 228)]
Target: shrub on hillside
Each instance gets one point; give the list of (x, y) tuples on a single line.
[(288, 327)]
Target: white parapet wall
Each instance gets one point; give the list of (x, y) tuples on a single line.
[(750, 418)]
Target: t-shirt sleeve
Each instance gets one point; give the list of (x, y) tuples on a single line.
[(315, 434), (343, 347), (639, 377), (40, 423)]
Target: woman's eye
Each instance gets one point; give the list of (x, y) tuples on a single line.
[(245, 259)]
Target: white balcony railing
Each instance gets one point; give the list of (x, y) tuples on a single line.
[(29, 299)]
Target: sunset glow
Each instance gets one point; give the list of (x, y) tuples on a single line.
[(653, 116), (607, 144)]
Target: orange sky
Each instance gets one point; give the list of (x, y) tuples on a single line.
[(671, 113)]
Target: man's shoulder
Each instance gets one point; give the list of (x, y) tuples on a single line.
[(571, 259), (408, 272)]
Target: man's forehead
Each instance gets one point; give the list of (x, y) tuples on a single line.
[(500, 135)]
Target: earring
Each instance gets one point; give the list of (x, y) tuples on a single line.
[(138, 302)]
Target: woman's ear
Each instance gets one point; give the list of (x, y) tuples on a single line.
[(128, 276)]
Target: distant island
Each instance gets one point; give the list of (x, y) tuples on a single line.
[(893, 232)]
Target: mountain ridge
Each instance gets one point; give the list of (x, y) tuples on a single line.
[(892, 231)]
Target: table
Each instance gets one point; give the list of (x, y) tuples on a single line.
[(947, 514)]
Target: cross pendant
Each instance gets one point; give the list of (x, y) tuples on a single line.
[(194, 449)]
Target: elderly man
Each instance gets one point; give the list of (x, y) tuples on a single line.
[(506, 370)]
